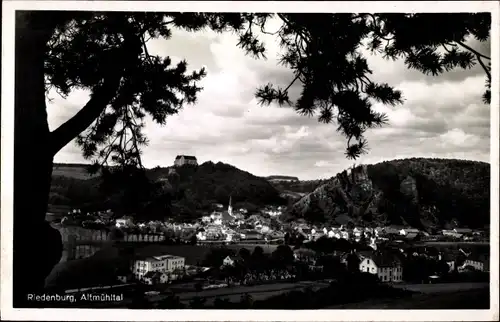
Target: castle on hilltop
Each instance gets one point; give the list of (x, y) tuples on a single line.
[(181, 160)]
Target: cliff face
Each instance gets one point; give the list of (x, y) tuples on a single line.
[(423, 193)]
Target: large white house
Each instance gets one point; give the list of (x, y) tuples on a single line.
[(387, 267), (163, 264)]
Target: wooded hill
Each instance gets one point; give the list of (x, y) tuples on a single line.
[(184, 191), (420, 192)]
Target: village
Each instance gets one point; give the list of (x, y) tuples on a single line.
[(244, 250), (235, 250)]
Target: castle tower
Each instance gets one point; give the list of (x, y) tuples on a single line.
[(230, 207)]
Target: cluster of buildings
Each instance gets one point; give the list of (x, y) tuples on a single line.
[(232, 225), (374, 235)]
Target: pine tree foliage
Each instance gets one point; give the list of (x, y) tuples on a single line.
[(107, 54), (322, 50)]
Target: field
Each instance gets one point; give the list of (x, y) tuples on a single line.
[(77, 171)]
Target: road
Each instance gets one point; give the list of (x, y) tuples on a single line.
[(442, 287), (258, 292), (261, 292), (438, 296)]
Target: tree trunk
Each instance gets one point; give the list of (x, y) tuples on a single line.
[(37, 246)]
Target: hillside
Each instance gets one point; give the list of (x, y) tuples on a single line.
[(215, 182), (297, 187), (423, 193), (282, 178), (188, 190)]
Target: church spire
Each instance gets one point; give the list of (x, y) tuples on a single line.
[(230, 206)]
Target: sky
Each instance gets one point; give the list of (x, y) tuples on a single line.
[(442, 117)]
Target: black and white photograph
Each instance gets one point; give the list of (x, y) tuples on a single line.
[(260, 157)]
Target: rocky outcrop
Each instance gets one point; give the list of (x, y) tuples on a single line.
[(348, 193), (417, 192)]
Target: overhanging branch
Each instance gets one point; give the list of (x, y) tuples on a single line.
[(475, 52), (103, 93), (101, 97), (484, 67)]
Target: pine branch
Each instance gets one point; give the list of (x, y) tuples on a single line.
[(61, 136), (475, 52), (484, 67)]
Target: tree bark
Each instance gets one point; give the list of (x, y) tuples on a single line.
[(37, 246)]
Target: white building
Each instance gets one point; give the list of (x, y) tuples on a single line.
[(181, 160), (123, 222), (373, 243), (216, 218), (163, 264), (201, 235), (387, 267), (406, 231), (229, 261), (206, 219), (357, 231)]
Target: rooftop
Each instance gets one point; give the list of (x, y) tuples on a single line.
[(158, 258), (187, 157), (385, 259)]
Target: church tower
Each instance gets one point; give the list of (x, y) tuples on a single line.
[(230, 207)]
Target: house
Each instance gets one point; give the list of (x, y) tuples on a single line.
[(345, 234), (379, 232), (450, 259), (305, 255), (124, 222), (231, 260), (373, 243), (386, 266), (412, 236), (451, 233), (333, 234), (153, 277), (357, 231), (163, 263), (124, 275), (251, 234), (480, 262), (306, 232), (463, 231), (277, 235), (181, 160), (206, 219), (393, 230), (264, 229), (406, 231)]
